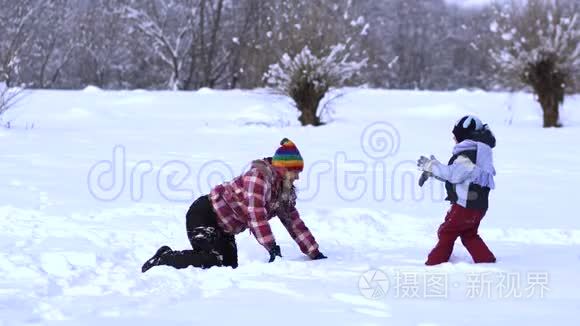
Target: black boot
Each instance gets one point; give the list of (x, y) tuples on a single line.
[(185, 258), (156, 259)]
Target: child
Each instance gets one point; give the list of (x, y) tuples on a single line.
[(468, 180)]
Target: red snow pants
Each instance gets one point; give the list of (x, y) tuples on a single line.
[(460, 222)]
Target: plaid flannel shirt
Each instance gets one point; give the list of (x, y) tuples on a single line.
[(248, 202)]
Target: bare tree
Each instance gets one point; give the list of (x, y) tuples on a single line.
[(187, 44), (539, 47), (213, 45), (53, 45), (17, 20), (8, 97), (414, 32), (166, 26)]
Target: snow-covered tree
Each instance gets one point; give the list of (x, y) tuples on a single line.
[(307, 78), (538, 47), (276, 27)]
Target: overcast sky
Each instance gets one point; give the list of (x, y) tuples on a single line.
[(470, 2)]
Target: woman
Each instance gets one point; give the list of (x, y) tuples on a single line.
[(248, 201)]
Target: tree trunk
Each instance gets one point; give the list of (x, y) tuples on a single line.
[(550, 107), (308, 116), (307, 100), (209, 80), (548, 84)]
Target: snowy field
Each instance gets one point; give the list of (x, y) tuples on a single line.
[(93, 182)]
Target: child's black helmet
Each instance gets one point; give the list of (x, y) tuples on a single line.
[(466, 127)]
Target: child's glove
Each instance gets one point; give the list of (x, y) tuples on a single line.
[(424, 164), (424, 177)]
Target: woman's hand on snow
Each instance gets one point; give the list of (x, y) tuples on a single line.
[(274, 251), (319, 255)]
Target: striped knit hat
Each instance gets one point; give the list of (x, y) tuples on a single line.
[(288, 156)]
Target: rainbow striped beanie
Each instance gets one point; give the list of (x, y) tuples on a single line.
[(288, 156)]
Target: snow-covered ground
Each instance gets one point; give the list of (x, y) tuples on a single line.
[(93, 182)]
